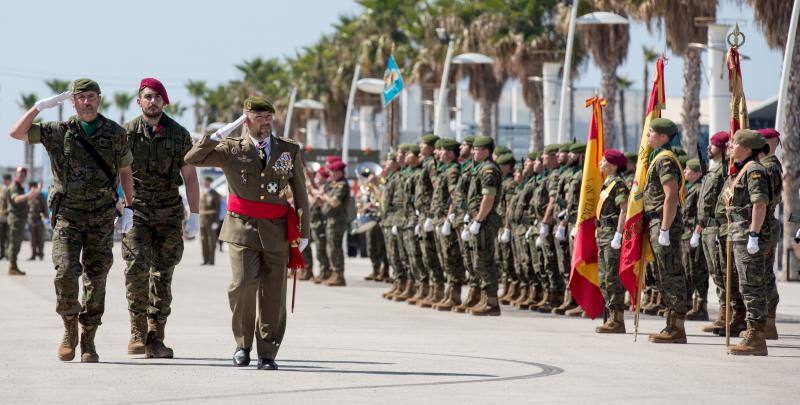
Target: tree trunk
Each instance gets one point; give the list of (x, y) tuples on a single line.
[(537, 118), (691, 100), (609, 91), (791, 167), (623, 130), (485, 122)]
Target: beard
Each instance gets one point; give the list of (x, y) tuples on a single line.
[(152, 112), (261, 132)]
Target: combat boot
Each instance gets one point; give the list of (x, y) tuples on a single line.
[(154, 342), (305, 275), (770, 330), (408, 292), (568, 304), (673, 332), (662, 312), (395, 286), (13, 270), (647, 300), (523, 296), (545, 299), (654, 306), (473, 297), (552, 303), (614, 324), (701, 313), (576, 312), (427, 297), (738, 323), (138, 334), (66, 350), (336, 280), (372, 275), (88, 351), (510, 292), (481, 302), (690, 313), (421, 292), (452, 300), (490, 307), (718, 323), (321, 277), (753, 344), (436, 296)]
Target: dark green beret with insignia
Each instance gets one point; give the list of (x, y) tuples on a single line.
[(483, 142), (84, 84), (469, 140), (255, 103), (749, 139), (564, 147), (506, 159), (404, 147), (501, 150), (577, 147), (664, 126), (534, 155), (694, 164), (390, 156), (449, 144), (430, 139), (413, 148), (551, 149)]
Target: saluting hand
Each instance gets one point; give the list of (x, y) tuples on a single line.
[(228, 129), (53, 101)]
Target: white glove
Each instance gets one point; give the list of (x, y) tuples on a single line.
[(695, 241), (394, 230), (797, 236), (475, 227), (416, 229), (663, 237), (466, 218), (505, 236), (447, 228), (528, 233), (451, 218), (125, 221), (752, 244), (540, 241), (214, 226), (574, 232), (302, 244), (53, 101), (428, 225), (227, 129), (544, 229), (616, 243), (192, 225), (465, 235), (561, 233)]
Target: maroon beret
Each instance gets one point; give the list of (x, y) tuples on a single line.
[(155, 85), (333, 158), (323, 172), (337, 166), (769, 133), (616, 158), (720, 139)]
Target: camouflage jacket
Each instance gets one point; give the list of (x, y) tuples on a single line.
[(485, 181), (445, 184), (753, 186)]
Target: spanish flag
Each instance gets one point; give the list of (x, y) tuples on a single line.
[(636, 250), (583, 279), (739, 116)]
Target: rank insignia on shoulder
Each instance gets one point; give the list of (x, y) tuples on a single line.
[(755, 175), (272, 187)]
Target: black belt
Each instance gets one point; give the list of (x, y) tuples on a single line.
[(711, 222), (649, 216)]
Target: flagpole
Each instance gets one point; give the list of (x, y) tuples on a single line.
[(288, 122)]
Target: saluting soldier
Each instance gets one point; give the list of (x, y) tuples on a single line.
[(264, 233), (88, 153), (210, 203), (37, 213), (772, 228)]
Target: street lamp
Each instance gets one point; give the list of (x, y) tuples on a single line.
[(371, 86), (308, 104)]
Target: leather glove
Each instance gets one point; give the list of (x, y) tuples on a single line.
[(428, 225), (466, 218), (528, 233), (394, 230), (302, 244), (544, 229), (663, 237), (227, 129), (125, 221), (465, 235), (752, 244), (474, 227), (416, 229), (53, 101), (616, 243), (447, 228), (451, 218), (505, 236), (192, 227), (561, 233), (695, 241)]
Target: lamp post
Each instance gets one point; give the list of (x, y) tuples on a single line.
[(308, 104)]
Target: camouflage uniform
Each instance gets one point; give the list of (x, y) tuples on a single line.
[(613, 196), (318, 223), (389, 211), (520, 221), (772, 228), (423, 194), (17, 217), (459, 197), (536, 208), (449, 254), (410, 238), (485, 181), (694, 264), (503, 253), (548, 260), (36, 216), (3, 222), (83, 202), (563, 256), (710, 190), (336, 223)]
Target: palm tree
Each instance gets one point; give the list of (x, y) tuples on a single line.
[(197, 89), (104, 105), (772, 18), (175, 109), (122, 101), (650, 56), (623, 84), (26, 102), (58, 86)]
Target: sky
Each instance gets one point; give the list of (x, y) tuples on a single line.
[(118, 43)]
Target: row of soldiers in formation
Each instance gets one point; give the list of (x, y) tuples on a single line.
[(19, 208), (466, 214)]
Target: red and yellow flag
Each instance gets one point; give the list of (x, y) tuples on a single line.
[(636, 250), (584, 280), (739, 117)]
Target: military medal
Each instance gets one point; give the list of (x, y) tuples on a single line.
[(272, 187), (284, 163)]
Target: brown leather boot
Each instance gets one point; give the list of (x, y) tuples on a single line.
[(690, 313), (544, 300), (66, 350), (753, 344), (384, 274), (372, 275), (436, 295), (13, 270), (481, 302), (305, 275), (718, 323), (88, 351), (422, 291), (738, 323), (614, 324), (553, 302), (523, 296), (473, 297), (701, 311), (408, 292), (321, 277), (511, 291), (575, 312), (673, 332), (154, 347), (517, 292), (336, 280), (770, 330), (647, 300), (138, 333), (395, 287), (568, 304), (654, 306), (490, 307), (453, 299)]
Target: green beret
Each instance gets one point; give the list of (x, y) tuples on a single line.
[(550, 149), (449, 144), (430, 139), (501, 150), (81, 85), (564, 147), (534, 155), (390, 156), (749, 139), (664, 126), (694, 164), (404, 147), (683, 159), (506, 159), (469, 140), (578, 147), (483, 142), (413, 148), (255, 103), (632, 157)]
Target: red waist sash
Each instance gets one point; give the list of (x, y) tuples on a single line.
[(264, 210)]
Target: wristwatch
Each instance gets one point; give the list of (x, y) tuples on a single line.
[(753, 234)]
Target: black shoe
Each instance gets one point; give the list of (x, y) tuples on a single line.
[(267, 364), (241, 357)]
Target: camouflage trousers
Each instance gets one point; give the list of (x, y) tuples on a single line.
[(564, 257), (376, 249), (483, 259), (736, 296), (321, 247), (36, 230), (82, 243), (411, 246), (396, 253), (551, 268), (769, 258), (695, 271), (608, 272), (522, 257), (151, 249), (505, 260), (334, 235), (430, 256), (450, 255), (466, 248), (16, 233), (3, 237), (752, 280), (540, 275), (669, 277), (713, 264)]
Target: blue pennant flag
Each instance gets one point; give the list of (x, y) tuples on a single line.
[(392, 81)]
